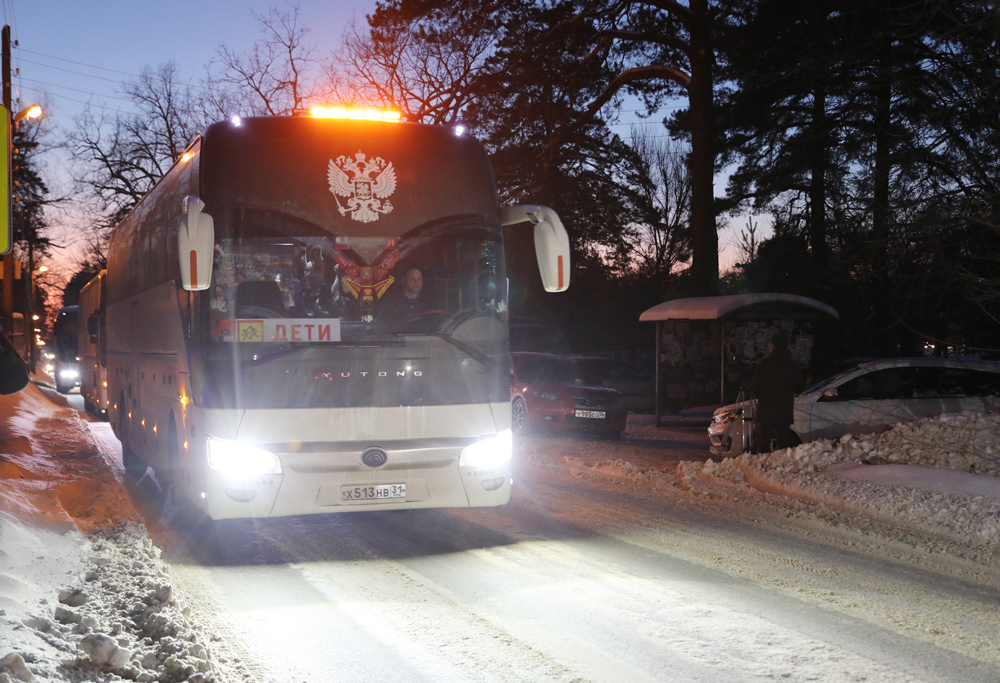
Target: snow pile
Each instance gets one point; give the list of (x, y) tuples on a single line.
[(75, 607), (119, 620), (622, 470), (939, 475)]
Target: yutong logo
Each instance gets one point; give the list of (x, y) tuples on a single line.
[(369, 374), (374, 457)]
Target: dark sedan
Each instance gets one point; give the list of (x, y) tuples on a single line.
[(555, 392), (638, 388)]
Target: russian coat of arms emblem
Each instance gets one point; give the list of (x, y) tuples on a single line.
[(365, 183)]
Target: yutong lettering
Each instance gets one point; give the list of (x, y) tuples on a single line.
[(369, 374)]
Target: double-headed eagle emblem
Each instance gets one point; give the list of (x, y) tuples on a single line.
[(365, 183)]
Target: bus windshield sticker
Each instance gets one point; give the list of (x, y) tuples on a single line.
[(365, 183), (280, 330)]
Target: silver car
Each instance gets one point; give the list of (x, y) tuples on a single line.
[(871, 397)]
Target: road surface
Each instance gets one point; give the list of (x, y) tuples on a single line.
[(582, 577)]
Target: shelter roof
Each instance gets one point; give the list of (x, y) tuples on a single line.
[(738, 306)]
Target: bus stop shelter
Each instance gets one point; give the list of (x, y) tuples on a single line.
[(705, 346)]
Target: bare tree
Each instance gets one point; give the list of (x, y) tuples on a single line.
[(662, 240), (273, 78), (121, 156), (426, 66), (749, 242)]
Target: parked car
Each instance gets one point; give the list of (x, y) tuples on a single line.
[(555, 392), (871, 397), (638, 388)]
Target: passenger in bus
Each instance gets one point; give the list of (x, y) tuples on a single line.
[(408, 299), (318, 288), (313, 270)]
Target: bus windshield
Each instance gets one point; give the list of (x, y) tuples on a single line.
[(317, 319)]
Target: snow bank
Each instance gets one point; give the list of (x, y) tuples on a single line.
[(113, 617), (91, 606), (938, 475)]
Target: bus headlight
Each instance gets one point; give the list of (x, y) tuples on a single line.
[(492, 451), (241, 460)]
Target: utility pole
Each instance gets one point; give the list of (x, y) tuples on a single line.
[(8, 257)]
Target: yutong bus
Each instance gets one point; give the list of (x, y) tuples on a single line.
[(248, 363)]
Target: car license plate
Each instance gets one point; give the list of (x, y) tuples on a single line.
[(593, 414), (373, 492)]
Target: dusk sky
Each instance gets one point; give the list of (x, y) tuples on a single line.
[(71, 53)]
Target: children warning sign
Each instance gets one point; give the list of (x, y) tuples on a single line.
[(280, 330)]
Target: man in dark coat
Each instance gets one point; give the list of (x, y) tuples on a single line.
[(776, 382)]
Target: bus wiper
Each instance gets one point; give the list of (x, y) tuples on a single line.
[(280, 353), (468, 350), (393, 340)]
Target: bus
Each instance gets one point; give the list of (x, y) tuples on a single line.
[(249, 361), (67, 361), (90, 345)]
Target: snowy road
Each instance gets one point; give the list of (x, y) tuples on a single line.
[(583, 578)]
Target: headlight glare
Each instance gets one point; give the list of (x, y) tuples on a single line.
[(493, 451), (241, 460)]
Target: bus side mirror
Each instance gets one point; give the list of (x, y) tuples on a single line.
[(195, 245), (551, 242), (92, 328)]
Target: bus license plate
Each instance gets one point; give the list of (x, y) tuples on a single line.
[(594, 414), (376, 492)]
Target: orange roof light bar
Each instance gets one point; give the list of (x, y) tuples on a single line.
[(340, 112)]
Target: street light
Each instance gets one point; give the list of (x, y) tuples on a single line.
[(32, 112)]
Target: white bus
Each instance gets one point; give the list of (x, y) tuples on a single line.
[(90, 346), (248, 363), (65, 333)]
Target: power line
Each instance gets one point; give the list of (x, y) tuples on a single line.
[(92, 104), (66, 87), (75, 73), (180, 84), (71, 61)]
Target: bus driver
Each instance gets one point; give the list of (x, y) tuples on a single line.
[(408, 299)]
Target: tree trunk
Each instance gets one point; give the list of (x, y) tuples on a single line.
[(704, 234), (817, 183), (883, 161)]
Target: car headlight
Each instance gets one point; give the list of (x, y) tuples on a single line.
[(727, 416), (241, 460), (68, 374), (492, 451), (546, 396)]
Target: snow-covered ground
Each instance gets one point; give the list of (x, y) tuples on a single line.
[(84, 595)]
